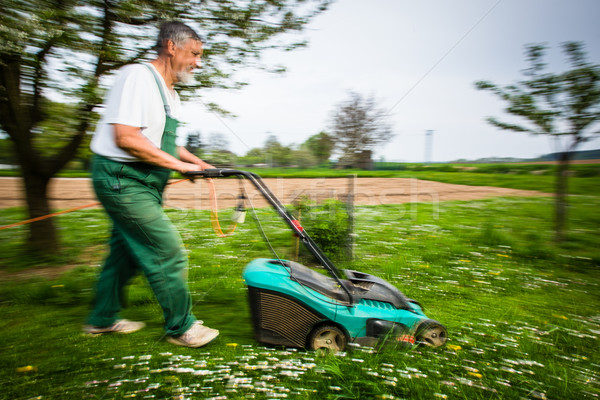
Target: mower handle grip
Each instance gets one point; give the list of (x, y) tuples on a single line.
[(208, 173)]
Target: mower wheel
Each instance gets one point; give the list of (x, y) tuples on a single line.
[(328, 337), (431, 333)]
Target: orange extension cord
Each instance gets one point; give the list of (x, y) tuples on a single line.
[(214, 214)]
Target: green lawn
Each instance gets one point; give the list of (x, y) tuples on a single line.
[(523, 314)]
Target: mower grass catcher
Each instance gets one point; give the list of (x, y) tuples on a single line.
[(293, 305)]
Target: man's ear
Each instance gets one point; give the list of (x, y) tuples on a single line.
[(171, 47)]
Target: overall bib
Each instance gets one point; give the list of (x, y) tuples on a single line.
[(142, 237)]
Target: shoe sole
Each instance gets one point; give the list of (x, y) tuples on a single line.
[(96, 333), (100, 331), (207, 340)]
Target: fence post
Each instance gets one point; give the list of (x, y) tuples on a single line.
[(350, 243)]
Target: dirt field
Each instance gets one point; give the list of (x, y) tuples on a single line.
[(68, 193)]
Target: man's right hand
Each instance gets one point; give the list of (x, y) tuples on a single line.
[(187, 167)]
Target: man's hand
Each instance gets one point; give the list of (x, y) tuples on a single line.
[(186, 156), (188, 167)]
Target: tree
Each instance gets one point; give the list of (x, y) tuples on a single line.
[(194, 143), (217, 142), (254, 156), (217, 151), (358, 126), (303, 158), (562, 105), (321, 146), (277, 154), (64, 49)]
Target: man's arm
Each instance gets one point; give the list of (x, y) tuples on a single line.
[(130, 139)]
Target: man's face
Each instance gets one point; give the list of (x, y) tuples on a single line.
[(186, 58)]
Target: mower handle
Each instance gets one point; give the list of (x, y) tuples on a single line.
[(211, 173), (293, 223)]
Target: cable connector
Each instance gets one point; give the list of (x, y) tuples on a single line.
[(239, 215)]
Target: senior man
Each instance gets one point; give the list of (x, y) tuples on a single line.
[(134, 153)]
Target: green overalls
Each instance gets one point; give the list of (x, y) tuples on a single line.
[(143, 238)]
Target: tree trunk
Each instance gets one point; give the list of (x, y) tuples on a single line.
[(562, 176), (43, 236)]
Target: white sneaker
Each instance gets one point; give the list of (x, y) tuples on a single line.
[(120, 326), (198, 335)]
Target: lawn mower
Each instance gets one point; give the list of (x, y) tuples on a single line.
[(297, 306)]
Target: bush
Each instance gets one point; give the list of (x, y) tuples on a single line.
[(327, 224), (587, 171)]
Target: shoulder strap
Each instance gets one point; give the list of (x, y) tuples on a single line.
[(160, 88)]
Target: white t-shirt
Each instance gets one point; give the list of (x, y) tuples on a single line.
[(133, 100)]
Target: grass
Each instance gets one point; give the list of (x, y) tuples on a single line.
[(522, 312)]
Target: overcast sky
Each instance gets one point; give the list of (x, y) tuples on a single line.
[(420, 60)]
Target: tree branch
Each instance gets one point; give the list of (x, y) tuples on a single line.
[(35, 112), (509, 127)]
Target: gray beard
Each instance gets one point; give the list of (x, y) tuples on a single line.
[(185, 77)]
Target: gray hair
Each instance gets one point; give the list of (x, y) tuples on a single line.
[(176, 31)]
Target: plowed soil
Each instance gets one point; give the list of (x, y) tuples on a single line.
[(66, 193)]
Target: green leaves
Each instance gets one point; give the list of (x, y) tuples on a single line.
[(566, 103)]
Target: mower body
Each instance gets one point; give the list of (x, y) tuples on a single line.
[(289, 301)]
